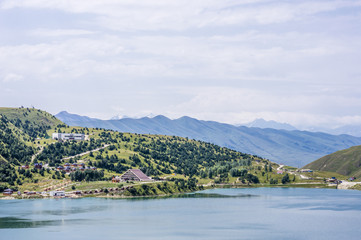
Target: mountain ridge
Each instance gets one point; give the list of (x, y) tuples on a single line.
[(295, 148)]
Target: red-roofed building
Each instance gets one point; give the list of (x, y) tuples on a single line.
[(135, 175)]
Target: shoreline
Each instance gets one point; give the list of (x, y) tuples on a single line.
[(216, 186)]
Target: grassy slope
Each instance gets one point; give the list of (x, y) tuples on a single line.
[(35, 116), (346, 162)]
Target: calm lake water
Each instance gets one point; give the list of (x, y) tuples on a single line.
[(252, 213)]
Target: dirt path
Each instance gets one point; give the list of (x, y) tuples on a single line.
[(36, 154), (84, 153)]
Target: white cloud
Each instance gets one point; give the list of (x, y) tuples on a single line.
[(59, 32), (185, 14), (12, 77), (295, 61)]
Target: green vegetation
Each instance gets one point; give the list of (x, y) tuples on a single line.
[(33, 122), (346, 162), (180, 164), (164, 188)]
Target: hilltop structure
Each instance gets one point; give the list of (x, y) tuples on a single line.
[(69, 136)]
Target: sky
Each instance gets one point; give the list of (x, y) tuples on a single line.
[(294, 61)]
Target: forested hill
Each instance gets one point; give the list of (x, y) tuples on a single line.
[(346, 162), (14, 150), (25, 141), (294, 148)]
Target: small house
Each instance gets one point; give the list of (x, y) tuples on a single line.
[(116, 179), (38, 165), (26, 166), (8, 192)]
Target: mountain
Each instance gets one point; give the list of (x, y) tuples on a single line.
[(353, 130), (118, 117), (294, 148), (346, 162), (261, 123)]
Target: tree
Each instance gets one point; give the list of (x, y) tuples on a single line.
[(285, 179)]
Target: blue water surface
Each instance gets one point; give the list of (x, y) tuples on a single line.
[(248, 213)]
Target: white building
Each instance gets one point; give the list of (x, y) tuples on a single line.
[(57, 194), (69, 136)]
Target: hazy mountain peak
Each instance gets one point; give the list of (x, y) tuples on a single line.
[(118, 117), (261, 123)]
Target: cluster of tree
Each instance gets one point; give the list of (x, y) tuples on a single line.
[(285, 179), (106, 164), (12, 148), (273, 181), (238, 172), (250, 178), (187, 156), (53, 153), (7, 173), (190, 183), (87, 175), (179, 185)]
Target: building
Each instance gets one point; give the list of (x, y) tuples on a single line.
[(135, 175), (38, 165), (116, 179), (69, 136), (57, 194), (8, 192), (26, 166)]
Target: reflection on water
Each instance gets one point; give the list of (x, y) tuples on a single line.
[(192, 195), (15, 222)]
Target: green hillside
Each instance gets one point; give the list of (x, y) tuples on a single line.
[(33, 122), (182, 164), (346, 162)]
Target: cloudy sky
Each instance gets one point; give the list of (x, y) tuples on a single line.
[(294, 61)]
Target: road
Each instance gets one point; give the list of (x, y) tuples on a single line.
[(84, 153)]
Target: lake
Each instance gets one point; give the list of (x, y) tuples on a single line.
[(247, 213)]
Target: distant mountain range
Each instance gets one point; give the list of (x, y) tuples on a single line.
[(261, 123), (295, 148), (353, 130)]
